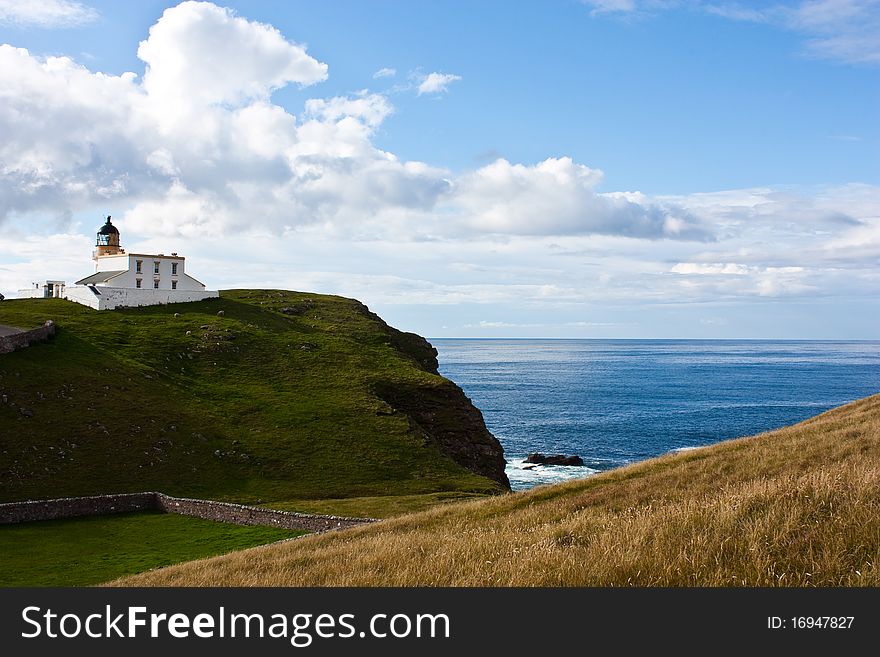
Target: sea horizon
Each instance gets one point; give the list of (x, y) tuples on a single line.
[(781, 340)]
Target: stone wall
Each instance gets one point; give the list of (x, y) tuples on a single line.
[(98, 505), (240, 514), (74, 507), (9, 343)]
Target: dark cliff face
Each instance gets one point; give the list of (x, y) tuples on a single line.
[(443, 413), (449, 419)]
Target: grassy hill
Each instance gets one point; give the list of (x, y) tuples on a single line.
[(260, 396), (794, 507)]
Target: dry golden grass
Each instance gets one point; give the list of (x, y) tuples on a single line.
[(794, 507)]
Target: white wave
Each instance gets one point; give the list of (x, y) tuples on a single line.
[(523, 475), (677, 450)]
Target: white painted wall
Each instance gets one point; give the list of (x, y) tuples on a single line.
[(41, 291), (117, 297), (148, 274), (111, 263), (32, 293), (81, 294)]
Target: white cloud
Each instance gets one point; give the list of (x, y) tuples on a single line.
[(715, 269), (26, 258), (484, 324), (754, 280), (611, 6), (385, 73), (845, 30), (624, 7), (436, 83), (201, 54), (558, 197), (739, 12), (841, 30), (63, 131), (45, 13), (372, 109)]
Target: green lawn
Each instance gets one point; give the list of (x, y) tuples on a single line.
[(83, 551)]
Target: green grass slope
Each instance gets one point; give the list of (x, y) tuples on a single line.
[(83, 551), (795, 507), (276, 399)]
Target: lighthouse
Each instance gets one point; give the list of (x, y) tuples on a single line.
[(124, 279)]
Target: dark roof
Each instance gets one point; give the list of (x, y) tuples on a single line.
[(108, 229), (100, 277)]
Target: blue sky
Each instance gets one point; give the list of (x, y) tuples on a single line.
[(563, 169)]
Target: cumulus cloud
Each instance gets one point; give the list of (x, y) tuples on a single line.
[(204, 54), (436, 83), (558, 197), (45, 13), (372, 109), (197, 147), (63, 141), (385, 73)]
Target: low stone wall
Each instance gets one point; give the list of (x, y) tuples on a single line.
[(239, 514), (253, 515), (74, 507), (9, 343)]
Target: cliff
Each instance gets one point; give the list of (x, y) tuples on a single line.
[(442, 412), (260, 396)]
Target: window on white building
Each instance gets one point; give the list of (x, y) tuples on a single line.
[(137, 282), (174, 269), (173, 285), (156, 284), (138, 265), (156, 267)]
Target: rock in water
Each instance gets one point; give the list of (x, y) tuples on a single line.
[(554, 459)]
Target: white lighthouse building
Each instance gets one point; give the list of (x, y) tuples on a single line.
[(134, 279)]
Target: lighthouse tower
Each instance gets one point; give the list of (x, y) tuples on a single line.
[(124, 279), (108, 241)]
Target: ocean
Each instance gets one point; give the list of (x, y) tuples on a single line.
[(613, 402)]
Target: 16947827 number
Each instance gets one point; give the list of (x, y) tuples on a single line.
[(822, 622)]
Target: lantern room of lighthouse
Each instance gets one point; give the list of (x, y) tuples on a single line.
[(108, 240)]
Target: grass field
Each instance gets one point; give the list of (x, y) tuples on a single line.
[(382, 506), (84, 551), (795, 507), (273, 400)]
